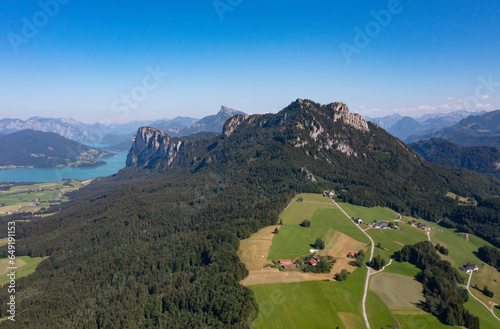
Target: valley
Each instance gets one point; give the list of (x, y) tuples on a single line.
[(290, 298), (22, 198)]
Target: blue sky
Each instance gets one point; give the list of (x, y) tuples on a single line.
[(92, 60)]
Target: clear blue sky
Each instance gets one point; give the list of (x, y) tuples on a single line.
[(260, 57)]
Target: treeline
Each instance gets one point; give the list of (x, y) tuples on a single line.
[(443, 297), (483, 220), (489, 255)]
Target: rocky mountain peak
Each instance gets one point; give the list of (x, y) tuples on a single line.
[(150, 144), (224, 110)]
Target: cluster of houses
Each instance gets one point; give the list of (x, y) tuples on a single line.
[(468, 268), (35, 203), (287, 263), (421, 226), (383, 225)]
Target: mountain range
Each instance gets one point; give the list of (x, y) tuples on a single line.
[(160, 238), (117, 133), (405, 127), (47, 150), (475, 130)]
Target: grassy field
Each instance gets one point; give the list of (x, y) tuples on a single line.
[(19, 197), (453, 196), (394, 240), (405, 269), (487, 321), (294, 240), (369, 214), (378, 313), (391, 240), (298, 211), (397, 291), (25, 266), (393, 294), (462, 251), (314, 304), (253, 251), (420, 320)]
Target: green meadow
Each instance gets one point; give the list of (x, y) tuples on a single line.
[(394, 294), (294, 240), (369, 214), (25, 266), (298, 211), (312, 304)]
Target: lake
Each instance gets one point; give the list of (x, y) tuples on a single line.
[(56, 174)]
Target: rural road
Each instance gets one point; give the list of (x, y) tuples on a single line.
[(370, 260), (468, 289)]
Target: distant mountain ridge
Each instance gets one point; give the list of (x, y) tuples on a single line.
[(118, 133), (46, 150), (211, 123), (483, 159), (405, 127), (475, 130)]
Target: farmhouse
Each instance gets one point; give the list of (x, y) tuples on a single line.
[(289, 265), (351, 254), (285, 261), (328, 193), (359, 221), (468, 268), (313, 262)]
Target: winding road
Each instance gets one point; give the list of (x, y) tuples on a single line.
[(468, 289), (369, 269)]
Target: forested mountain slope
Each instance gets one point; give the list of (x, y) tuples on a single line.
[(155, 245)]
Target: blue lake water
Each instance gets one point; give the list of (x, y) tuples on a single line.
[(56, 174)]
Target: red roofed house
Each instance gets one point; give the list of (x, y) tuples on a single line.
[(285, 261), (351, 255), (313, 262), (289, 265)]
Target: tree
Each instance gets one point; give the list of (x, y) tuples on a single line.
[(360, 259), (320, 244), (342, 276), (377, 263), (306, 223), (487, 292), (276, 231), (280, 222)]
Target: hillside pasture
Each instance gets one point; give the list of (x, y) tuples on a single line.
[(397, 291), (298, 211), (315, 304), (294, 240), (254, 250), (25, 266), (340, 244), (369, 214)]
